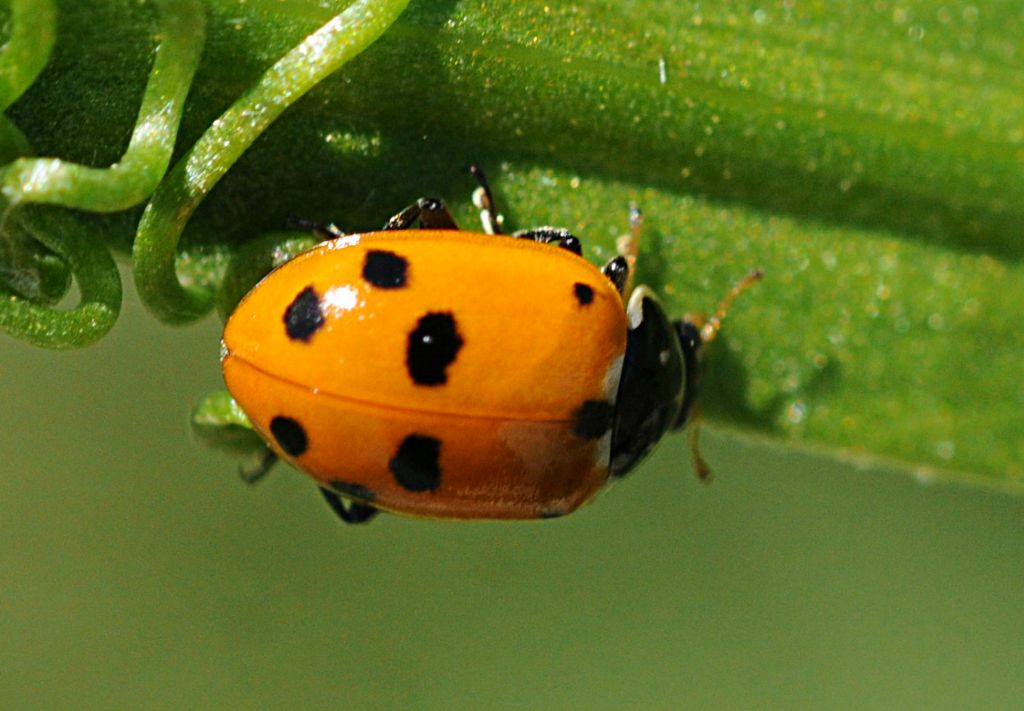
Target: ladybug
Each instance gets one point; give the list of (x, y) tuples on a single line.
[(444, 373)]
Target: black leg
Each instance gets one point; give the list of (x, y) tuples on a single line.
[(617, 271), (549, 235), (252, 475), (327, 231), (431, 212), (620, 269), (351, 511), (483, 198)]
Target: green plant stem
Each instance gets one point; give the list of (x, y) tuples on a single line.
[(136, 175), (23, 56), (83, 249), (54, 181), (343, 37)]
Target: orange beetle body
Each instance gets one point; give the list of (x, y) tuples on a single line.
[(435, 373)]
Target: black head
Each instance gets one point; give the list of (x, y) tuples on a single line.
[(658, 381)]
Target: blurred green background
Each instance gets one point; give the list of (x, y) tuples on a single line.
[(137, 571)]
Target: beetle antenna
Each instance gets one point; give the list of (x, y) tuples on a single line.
[(710, 329), (483, 199)]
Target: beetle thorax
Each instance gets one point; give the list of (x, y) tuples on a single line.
[(650, 395)]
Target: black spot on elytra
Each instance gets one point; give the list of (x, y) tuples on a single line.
[(289, 435), (303, 316), (584, 293), (416, 464), (385, 270), (433, 345), (355, 491), (593, 419)]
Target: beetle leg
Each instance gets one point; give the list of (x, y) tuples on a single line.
[(327, 231), (549, 235), (700, 467), (620, 268), (431, 212), (628, 245), (483, 199), (617, 271), (349, 511), (252, 475)]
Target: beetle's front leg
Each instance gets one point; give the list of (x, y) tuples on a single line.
[(325, 230), (432, 213)]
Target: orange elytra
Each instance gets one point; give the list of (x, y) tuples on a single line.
[(452, 374)]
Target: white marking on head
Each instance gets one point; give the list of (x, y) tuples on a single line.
[(635, 306)]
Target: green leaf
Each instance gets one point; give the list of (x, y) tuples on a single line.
[(869, 157)]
